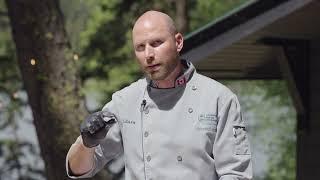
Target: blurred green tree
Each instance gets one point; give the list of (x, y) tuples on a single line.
[(205, 11)]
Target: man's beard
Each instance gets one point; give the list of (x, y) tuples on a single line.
[(163, 72)]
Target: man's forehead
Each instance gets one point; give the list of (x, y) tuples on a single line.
[(145, 33), (150, 26)]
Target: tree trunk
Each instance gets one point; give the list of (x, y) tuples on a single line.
[(182, 17), (50, 77)]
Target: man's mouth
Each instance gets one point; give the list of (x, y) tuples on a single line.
[(154, 67)]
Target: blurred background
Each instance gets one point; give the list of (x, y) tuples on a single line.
[(97, 43)]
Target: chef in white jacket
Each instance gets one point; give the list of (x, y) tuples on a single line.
[(174, 124)]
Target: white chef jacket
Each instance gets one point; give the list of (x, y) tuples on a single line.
[(193, 131)]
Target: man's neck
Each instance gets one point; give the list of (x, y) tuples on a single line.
[(169, 82)]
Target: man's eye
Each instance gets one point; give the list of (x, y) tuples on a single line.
[(156, 43), (140, 48)]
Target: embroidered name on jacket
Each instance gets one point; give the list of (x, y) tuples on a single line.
[(129, 122), (207, 122)]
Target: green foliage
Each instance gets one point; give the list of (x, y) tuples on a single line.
[(16, 164), (206, 11)]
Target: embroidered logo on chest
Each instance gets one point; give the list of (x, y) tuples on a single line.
[(207, 122)]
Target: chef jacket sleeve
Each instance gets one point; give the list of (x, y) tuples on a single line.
[(231, 148), (111, 147)]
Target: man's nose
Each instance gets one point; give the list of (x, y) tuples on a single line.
[(149, 53)]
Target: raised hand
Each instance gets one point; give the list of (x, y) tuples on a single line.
[(94, 128)]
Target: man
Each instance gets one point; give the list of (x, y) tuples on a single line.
[(174, 124)]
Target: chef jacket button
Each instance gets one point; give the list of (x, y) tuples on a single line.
[(190, 110), (194, 88), (146, 111), (148, 158), (179, 158), (146, 134)]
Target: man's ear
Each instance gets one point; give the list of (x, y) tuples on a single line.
[(179, 41)]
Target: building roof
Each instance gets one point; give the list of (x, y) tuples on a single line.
[(230, 47), (228, 21)]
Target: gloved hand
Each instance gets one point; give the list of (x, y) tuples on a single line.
[(94, 128)]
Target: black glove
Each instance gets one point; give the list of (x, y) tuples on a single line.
[(94, 128)]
